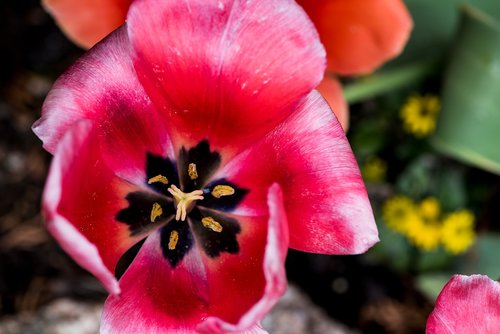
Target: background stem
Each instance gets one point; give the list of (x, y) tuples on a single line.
[(386, 81)]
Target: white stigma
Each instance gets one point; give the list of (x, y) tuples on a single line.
[(183, 200)]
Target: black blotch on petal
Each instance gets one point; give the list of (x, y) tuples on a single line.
[(184, 244), (156, 165), (126, 259), (224, 203), (213, 243), (206, 163), (138, 214)]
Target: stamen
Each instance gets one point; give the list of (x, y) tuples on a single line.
[(183, 200), (173, 239), (222, 190), (212, 224), (158, 178), (156, 212), (193, 173)]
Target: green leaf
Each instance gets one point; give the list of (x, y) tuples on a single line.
[(433, 260), (417, 179), (435, 24), (368, 137), (450, 189), (431, 284), (468, 124), (482, 257), (392, 250)]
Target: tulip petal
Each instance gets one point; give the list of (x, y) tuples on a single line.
[(326, 203), (331, 89), (229, 293), (274, 257), (86, 22), (247, 63), (80, 214), (360, 35), (102, 87), (467, 305)]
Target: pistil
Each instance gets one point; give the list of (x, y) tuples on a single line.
[(184, 200)]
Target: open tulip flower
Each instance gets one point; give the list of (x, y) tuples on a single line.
[(467, 305), (190, 151)]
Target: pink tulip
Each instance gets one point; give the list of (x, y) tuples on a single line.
[(189, 153), (467, 305)]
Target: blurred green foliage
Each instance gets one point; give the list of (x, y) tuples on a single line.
[(415, 168)]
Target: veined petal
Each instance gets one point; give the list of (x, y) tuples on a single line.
[(156, 298), (228, 293), (274, 274), (467, 305), (331, 89), (228, 70), (326, 203), (360, 35), (86, 22), (79, 205), (102, 87)]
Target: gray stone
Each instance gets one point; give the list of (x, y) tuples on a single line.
[(293, 314)]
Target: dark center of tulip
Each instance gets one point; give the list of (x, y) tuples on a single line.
[(185, 205)]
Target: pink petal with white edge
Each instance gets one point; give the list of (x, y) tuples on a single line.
[(467, 305), (102, 87), (192, 297), (326, 203), (274, 271), (83, 243), (226, 70)]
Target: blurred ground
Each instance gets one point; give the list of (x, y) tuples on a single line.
[(38, 282), (294, 314), (33, 53)]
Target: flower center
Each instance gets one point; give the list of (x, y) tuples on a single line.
[(184, 202)]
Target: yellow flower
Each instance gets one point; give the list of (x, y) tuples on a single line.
[(430, 208), (374, 169), (398, 212), (424, 233), (419, 114), (457, 233)]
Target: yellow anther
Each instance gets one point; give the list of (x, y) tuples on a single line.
[(158, 178), (156, 212), (212, 224), (222, 190), (183, 201), (172, 241), (193, 173)]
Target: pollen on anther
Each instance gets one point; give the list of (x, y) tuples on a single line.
[(156, 212), (212, 224), (222, 190), (158, 178), (192, 172), (173, 239)]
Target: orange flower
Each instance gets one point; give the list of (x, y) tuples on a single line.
[(86, 22), (359, 36)]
